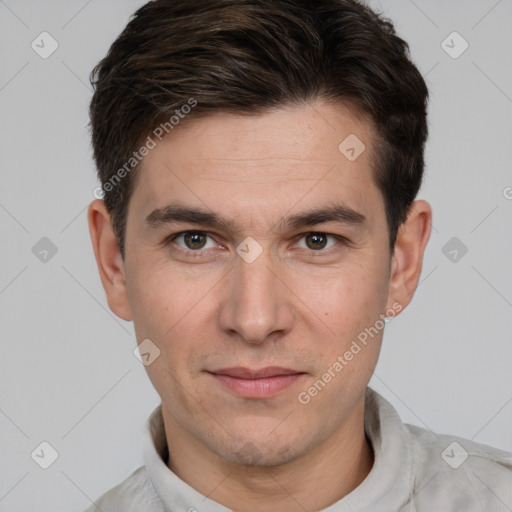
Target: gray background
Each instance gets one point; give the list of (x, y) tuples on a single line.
[(68, 375)]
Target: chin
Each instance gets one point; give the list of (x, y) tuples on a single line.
[(260, 451)]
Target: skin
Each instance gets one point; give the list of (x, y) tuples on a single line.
[(297, 305)]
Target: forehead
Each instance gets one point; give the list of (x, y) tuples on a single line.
[(303, 154), (303, 132)]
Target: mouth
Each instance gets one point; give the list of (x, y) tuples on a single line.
[(256, 383)]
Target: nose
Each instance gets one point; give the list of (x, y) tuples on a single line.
[(255, 303)]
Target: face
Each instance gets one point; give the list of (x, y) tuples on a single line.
[(260, 279)]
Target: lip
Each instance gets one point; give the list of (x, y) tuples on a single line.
[(242, 372), (256, 383)]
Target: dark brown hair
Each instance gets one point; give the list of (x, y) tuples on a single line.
[(250, 56)]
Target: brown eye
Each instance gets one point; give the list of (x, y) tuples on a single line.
[(321, 243), (316, 241), (194, 240)]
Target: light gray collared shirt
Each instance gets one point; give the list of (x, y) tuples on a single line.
[(415, 470)]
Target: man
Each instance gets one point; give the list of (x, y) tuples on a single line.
[(260, 161)]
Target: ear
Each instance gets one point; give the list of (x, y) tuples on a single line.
[(108, 258), (407, 259)]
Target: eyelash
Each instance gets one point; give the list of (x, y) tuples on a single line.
[(201, 253)]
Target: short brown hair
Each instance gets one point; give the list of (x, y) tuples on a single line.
[(248, 56)]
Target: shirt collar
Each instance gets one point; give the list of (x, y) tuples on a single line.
[(387, 486)]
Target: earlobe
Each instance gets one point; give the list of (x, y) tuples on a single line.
[(407, 260), (108, 258)]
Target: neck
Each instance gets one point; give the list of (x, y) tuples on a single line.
[(313, 481)]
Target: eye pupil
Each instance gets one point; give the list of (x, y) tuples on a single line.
[(318, 240), (193, 240)]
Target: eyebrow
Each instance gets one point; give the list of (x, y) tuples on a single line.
[(176, 213)]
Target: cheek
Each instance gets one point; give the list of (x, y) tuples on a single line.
[(160, 296), (170, 309), (347, 298)]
